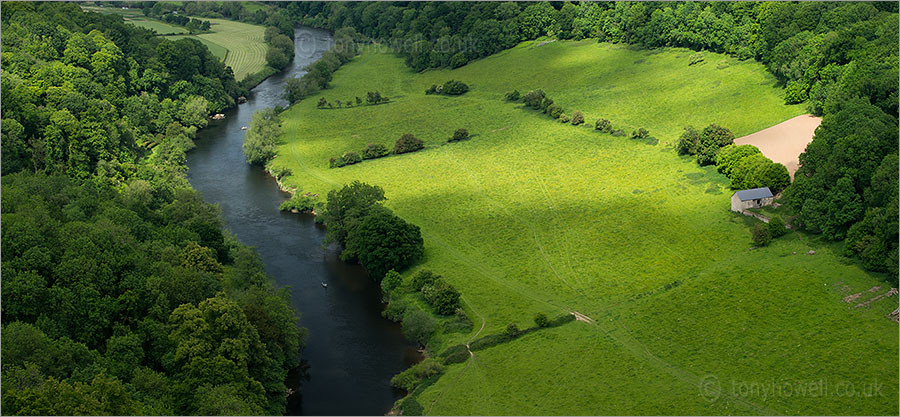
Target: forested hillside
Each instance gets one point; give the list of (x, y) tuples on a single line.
[(838, 57), (122, 294)]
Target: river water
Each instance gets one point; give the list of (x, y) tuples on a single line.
[(351, 351)]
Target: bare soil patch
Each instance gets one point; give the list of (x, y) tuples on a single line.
[(784, 142)]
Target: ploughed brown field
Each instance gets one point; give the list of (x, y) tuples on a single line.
[(784, 142)]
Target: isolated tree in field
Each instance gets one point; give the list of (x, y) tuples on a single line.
[(541, 320), (454, 88), (408, 143), (418, 325), (603, 125), (577, 118), (460, 134), (761, 235), (688, 142), (374, 150)]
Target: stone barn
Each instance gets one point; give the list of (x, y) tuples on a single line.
[(754, 198)]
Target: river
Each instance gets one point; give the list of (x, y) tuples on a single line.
[(351, 351)]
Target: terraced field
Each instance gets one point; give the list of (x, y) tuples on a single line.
[(531, 215)]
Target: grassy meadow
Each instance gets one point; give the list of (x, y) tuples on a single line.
[(531, 215)]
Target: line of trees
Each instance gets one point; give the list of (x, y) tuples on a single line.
[(407, 143), (280, 48), (193, 25), (372, 98), (262, 139), (449, 88)]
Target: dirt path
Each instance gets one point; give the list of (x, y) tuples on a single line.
[(784, 142)]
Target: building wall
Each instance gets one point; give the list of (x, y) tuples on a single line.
[(738, 205)]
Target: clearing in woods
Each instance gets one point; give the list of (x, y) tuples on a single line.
[(531, 215)]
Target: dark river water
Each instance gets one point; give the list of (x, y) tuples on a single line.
[(351, 351)]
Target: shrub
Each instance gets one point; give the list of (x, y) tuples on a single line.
[(795, 92), (603, 125), (455, 354), (423, 278), (513, 95), (541, 320), (761, 235), (408, 143), (512, 330), (577, 118), (454, 88), (395, 310), (382, 241), (358, 101), (460, 134), (390, 282), (641, 133), (534, 99), (696, 59), (457, 60), (442, 296), (322, 103), (408, 379), (546, 104), (730, 156), (688, 142), (776, 227), (555, 111), (336, 162), (374, 150), (459, 323), (418, 325), (563, 118), (432, 90), (618, 132), (351, 158), (409, 406), (299, 202)]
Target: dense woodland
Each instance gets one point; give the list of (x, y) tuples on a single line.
[(121, 292), (838, 57)]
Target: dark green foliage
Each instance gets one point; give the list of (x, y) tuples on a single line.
[(641, 133), (761, 235), (408, 379), (546, 105), (262, 137), (395, 309), (390, 282), (688, 142), (534, 99), (455, 354), (459, 134), (459, 323), (618, 132), (297, 89), (374, 150), (382, 241), (603, 125), (434, 89), (728, 158), (541, 320), (145, 274), (442, 296), (423, 278), (454, 88), (755, 171), (351, 158), (555, 111), (375, 97), (408, 143), (346, 205), (577, 118), (712, 138), (512, 330), (513, 95), (299, 202), (795, 92), (563, 118), (418, 325), (776, 227), (489, 341)]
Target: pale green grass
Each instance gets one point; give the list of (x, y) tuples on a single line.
[(218, 50), (531, 215), (160, 28), (244, 43)]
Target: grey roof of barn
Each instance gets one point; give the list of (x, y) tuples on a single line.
[(754, 193)]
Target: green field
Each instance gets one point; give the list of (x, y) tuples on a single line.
[(240, 45), (531, 215)]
